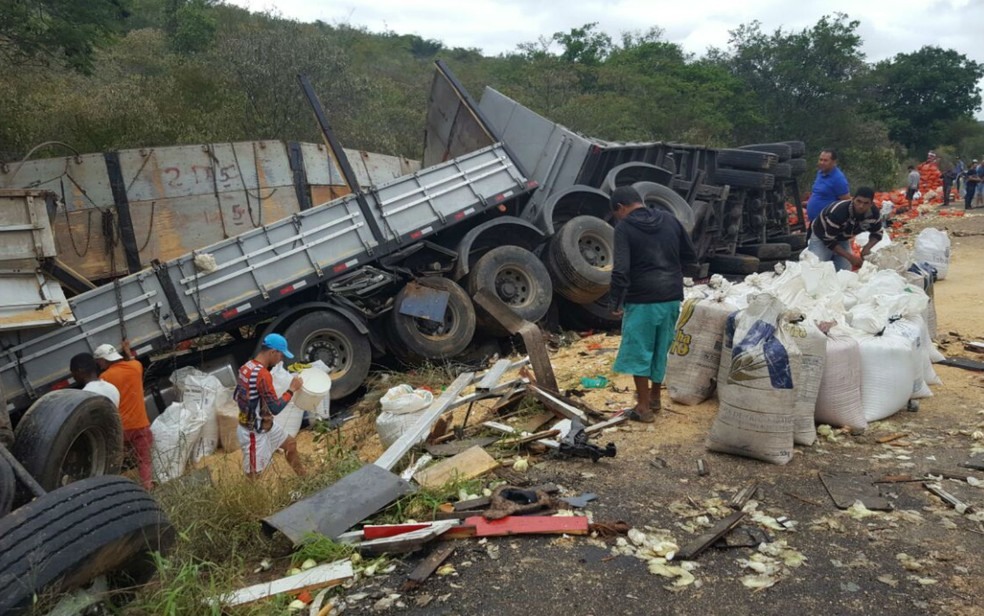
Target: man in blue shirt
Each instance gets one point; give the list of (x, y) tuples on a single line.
[(829, 186)]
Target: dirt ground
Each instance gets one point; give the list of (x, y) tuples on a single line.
[(922, 558)]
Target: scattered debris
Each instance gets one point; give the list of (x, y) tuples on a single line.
[(948, 498), (704, 541), (742, 497), (330, 574), (466, 465), (702, 468), (846, 489), (427, 566), (478, 526)]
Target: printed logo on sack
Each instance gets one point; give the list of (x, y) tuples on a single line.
[(760, 355), (681, 341)]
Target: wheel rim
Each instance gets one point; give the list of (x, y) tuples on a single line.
[(514, 286), (86, 457), (594, 250), (332, 348), (438, 331)]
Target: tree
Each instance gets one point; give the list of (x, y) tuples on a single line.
[(190, 25), (584, 45), (918, 94), (61, 31)]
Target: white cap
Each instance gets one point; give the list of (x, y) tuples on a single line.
[(107, 352)]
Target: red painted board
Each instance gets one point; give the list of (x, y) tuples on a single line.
[(389, 530), (528, 525)]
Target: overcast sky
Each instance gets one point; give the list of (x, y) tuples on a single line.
[(887, 27)]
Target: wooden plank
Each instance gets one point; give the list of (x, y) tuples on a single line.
[(608, 423), (743, 495), (466, 465), (406, 542), (427, 567), (559, 406), (527, 525), (330, 574), (453, 448), (976, 347), (494, 375), (706, 540), (501, 427), (529, 438), (533, 423), (539, 357), (891, 437), (845, 489), (419, 431)]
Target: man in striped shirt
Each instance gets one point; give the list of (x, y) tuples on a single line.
[(258, 402), (832, 231)]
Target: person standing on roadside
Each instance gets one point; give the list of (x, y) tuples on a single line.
[(911, 184), (838, 224), (829, 186), (126, 374), (971, 179), (651, 247), (259, 437)]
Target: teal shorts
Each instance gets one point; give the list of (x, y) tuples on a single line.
[(647, 332)]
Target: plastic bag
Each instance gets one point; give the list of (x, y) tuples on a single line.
[(933, 247), (401, 407), (176, 432)]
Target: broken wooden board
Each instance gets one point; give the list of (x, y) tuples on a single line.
[(960, 362), (948, 498), (494, 375), (340, 506), (477, 526), (705, 540), (445, 450), (466, 465), (743, 537), (533, 422), (845, 489), (521, 440), (330, 574), (427, 567), (406, 542), (976, 347), (419, 431), (743, 495), (564, 427), (557, 405)]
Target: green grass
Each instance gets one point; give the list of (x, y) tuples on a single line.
[(422, 504), (321, 549)]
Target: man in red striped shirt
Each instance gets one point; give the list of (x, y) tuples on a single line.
[(258, 402)]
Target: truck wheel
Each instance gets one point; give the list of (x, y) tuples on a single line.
[(8, 487), (734, 264), (68, 435), (783, 170), (772, 250), (747, 159), (796, 148), (743, 179), (518, 278), (665, 198), (583, 317), (66, 538), (415, 339), (333, 339), (579, 259), (782, 150), (627, 174), (796, 241), (797, 165)]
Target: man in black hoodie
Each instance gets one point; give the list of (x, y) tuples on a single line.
[(647, 287)]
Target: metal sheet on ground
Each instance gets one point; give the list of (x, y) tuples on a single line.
[(335, 509), (845, 489)]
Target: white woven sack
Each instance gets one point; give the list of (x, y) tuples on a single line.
[(176, 432), (933, 247), (812, 343), (839, 397), (914, 328), (756, 388), (888, 363), (695, 355), (401, 408)]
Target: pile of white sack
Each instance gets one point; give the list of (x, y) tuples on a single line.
[(785, 351)]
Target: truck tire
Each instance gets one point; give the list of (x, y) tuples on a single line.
[(782, 150), (627, 174), (769, 265), (797, 165), (66, 538), (333, 339), (747, 159), (783, 170), (579, 259), (796, 241), (772, 250), (8, 487), (518, 278), (796, 148), (591, 316), (743, 179), (665, 198), (67, 435), (414, 339), (734, 264)]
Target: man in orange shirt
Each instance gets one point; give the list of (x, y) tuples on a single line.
[(126, 373)]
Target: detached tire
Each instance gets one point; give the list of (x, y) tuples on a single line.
[(518, 278), (413, 339), (580, 257), (333, 339), (66, 538), (743, 179), (67, 435), (734, 264)]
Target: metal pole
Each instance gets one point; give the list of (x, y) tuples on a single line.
[(21, 473)]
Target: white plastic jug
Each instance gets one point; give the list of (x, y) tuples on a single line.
[(316, 387)]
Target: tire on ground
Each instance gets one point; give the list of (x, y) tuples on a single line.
[(98, 526), (747, 159), (782, 150), (8, 487), (743, 179), (518, 278), (734, 264), (414, 339), (583, 317), (579, 259), (797, 165), (665, 198), (67, 435), (772, 250), (627, 174), (796, 241), (333, 339)]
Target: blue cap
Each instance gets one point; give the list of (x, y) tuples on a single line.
[(277, 343)]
